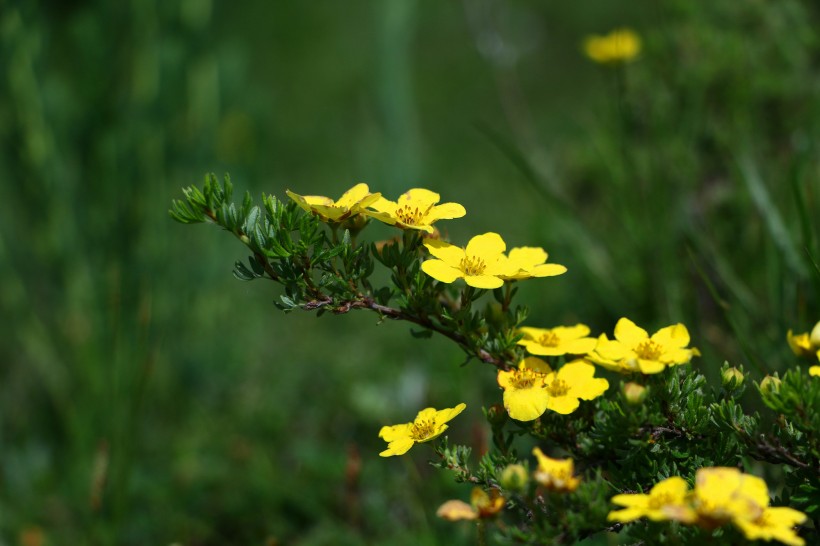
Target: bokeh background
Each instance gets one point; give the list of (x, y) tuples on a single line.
[(148, 397)]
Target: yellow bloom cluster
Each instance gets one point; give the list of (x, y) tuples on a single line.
[(633, 350), (721, 496), (534, 388), (806, 345), (618, 46)]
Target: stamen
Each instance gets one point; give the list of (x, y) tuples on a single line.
[(472, 265), (648, 350), (525, 378), (558, 387), (421, 430), (550, 339)]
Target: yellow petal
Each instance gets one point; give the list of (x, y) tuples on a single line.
[(445, 211), (419, 197), (454, 510), (483, 281), (397, 447), (650, 366), (576, 372), (427, 414), (441, 271), (547, 270), (672, 336), (536, 364), (571, 332), (629, 333), (390, 433), (611, 349), (563, 404), (527, 256), (383, 205), (526, 404), (450, 254), (815, 370), (580, 346), (487, 246), (444, 415), (354, 195)]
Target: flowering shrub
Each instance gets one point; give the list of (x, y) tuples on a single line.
[(661, 431)]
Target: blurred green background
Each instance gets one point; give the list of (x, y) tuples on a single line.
[(147, 397)]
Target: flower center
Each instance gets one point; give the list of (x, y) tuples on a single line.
[(648, 350), (558, 387), (421, 430), (548, 340), (411, 216), (525, 378), (472, 265), (659, 500)]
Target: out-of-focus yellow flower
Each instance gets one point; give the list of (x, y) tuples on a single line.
[(428, 425), (667, 500), (725, 494), (525, 394), (352, 202), (526, 262), (575, 380), (774, 523), (557, 341), (482, 505), (633, 350), (415, 209), (481, 264), (815, 370), (555, 474), (620, 45)]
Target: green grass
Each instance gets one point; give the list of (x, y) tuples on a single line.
[(148, 397)]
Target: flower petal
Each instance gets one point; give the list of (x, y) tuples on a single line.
[(571, 332), (444, 415), (526, 404), (547, 270), (483, 281), (445, 211), (397, 447), (629, 333), (353, 195), (419, 197), (441, 271), (450, 254), (563, 404), (672, 336), (527, 256), (487, 246)]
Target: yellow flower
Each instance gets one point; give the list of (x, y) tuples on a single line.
[(555, 474), (815, 370), (481, 264), (620, 45), (724, 494), (774, 523), (482, 505), (572, 382), (526, 262), (666, 500), (428, 425), (633, 350), (806, 344), (525, 394), (352, 202), (557, 341), (415, 209)]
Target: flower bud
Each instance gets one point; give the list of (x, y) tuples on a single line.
[(514, 477), (732, 374), (770, 385), (496, 415), (634, 393)]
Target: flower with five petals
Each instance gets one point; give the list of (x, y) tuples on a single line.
[(352, 202), (428, 425), (557, 341), (668, 499), (481, 263), (415, 209), (555, 474), (633, 350)]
